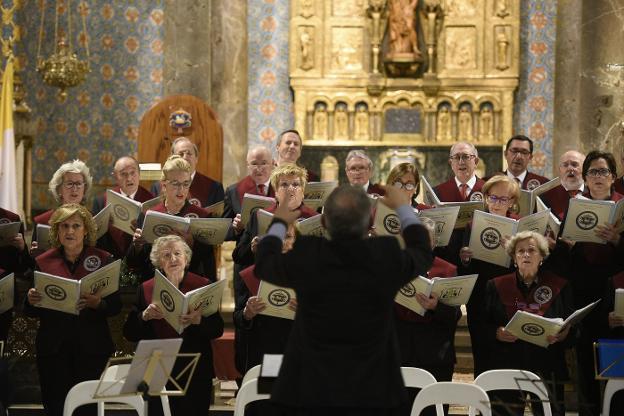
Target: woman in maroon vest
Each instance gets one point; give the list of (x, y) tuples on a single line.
[(71, 348), (289, 181), (591, 265), (532, 288), (500, 194), (171, 255), (175, 183)]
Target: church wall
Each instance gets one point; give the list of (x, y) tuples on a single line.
[(99, 120)]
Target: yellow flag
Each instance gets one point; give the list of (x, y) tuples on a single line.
[(8, 180)]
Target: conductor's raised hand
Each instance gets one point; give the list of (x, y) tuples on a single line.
[(285, 214), (394, 197)]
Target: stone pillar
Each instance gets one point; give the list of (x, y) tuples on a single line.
[(205, 47), (567, 80)]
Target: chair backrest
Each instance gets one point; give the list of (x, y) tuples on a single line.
[(248, 393), (514, 380), (613, 385), (82, 393), (418, 378), (448, 392), (253, 372)]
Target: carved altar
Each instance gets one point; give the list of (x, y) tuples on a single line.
[(406, 73)]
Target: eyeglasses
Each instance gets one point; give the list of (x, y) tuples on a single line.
[(494, 199), (574, 165), (526, 252), (407, 186), (462, 157), (603, 172), (286, 185), (183, 153), (70, 185), (263, 165), (180, 185), (521, 152), (357, 168)]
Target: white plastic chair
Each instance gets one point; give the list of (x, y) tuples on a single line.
[(82, 393), (253, 372), (449, 392), (248, 393), (523, 380), (418, 378), (613, 386)]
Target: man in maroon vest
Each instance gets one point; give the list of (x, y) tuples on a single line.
[(204, 191), (570, 174), (126, 174), (359, 169), (518, 153), (289, 147), (260, 164)]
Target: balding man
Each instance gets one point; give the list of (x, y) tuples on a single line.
[(570, 175), (204, 191), (126, 174)]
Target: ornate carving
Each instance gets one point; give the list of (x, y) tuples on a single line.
[(319, 130), (443, 127), (306, 46), (461, 46), (361, 123), (376, 7), (402, 21), (486, 124), (502, 49), (432, 13), (501, 8), (347, 49), (306, 8), (341, 122), (462, 8), (347, 7), (464, 124)]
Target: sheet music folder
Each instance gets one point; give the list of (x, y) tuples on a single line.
[(149, 371)]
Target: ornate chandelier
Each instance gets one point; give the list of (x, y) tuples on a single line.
[(63, 69)]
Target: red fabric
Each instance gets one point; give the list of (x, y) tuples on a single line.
[(510, 295), (251, 280), (120, 238), (52, 262), (557, 199), (188, 210), (618, 281), (223, 356), (463, 191), (449, 192), (44, 219)]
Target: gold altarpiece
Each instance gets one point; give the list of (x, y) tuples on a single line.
[(404, 72)]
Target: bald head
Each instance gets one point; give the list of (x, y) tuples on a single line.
[(259, 164), (571, 169), (126, 173)]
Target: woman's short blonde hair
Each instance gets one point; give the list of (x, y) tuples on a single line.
[(65, 211), (540, 241), (75, 166), (174, 163), (161, 242), (289, 169), (512, 187)]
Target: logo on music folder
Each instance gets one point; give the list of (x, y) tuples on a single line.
[(121, 212), (532, 330), (162, 229), (279, 297), (476, 197), (392, 224), (543, 294), (92, 263), (532, 184), (450, 292), (195, 202), (586, 220), (490, 238), (408, 290), (55, 292), (206, 233), (167, 300)]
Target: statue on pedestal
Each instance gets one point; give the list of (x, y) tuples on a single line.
[(320, 122), (443, 127), (502, 45), (306, 42), (465, 124), (404, 56), (486, 124), (341, 122)]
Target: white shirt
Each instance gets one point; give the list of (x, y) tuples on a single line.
[(471, 183), (519, 177), (129, 196)]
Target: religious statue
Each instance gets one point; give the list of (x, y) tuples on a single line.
[(306, 43), (486, 124), (341, 123), (402, 29), (443, 127), (465, 124), (502, 45), (501, 8), (320, 122), (361, 123)]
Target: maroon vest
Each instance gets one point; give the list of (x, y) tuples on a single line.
[(618, 281), (188, 210), (440, 268), (91, 259), (121, 239), (248, 186), (199, 192), (557, 199), (449, 192), (306, 212), (44, 218), (190, 282), (8, 216), (537, 301), (251, 280)]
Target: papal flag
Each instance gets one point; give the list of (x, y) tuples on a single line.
[(8, 180)]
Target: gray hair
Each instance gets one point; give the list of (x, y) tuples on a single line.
[(359, 154), (347, 213), (161, 242), (472, 148), (184, 139), (258, 148), (75, 166), (540, 240)]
